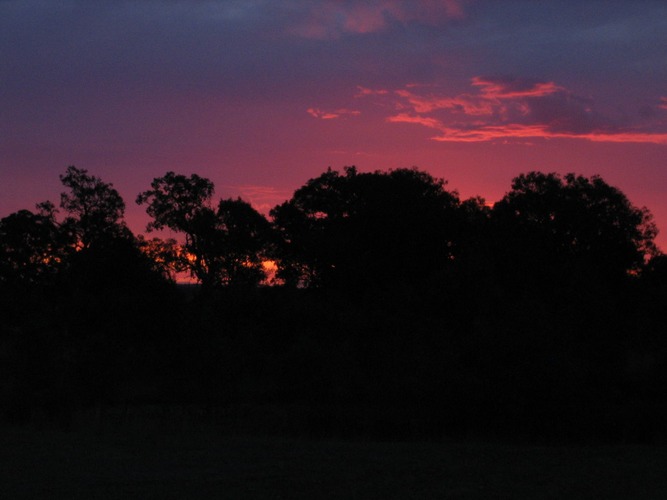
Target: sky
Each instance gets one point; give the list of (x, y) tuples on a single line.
[(261, 95)]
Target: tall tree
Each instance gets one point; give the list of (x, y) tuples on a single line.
[(182, 204), (95, 209)]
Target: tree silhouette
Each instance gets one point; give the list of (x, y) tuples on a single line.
[(36, 244), (367, 229), (223, 246), (182, 204), (95, 209), (419, 312), (239, 240), (557, 228), (165, 256), (33, 245)]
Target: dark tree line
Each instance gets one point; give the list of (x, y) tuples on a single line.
[(397, 308), (347, 230)]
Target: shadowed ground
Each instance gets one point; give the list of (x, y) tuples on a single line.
[(153, 461)]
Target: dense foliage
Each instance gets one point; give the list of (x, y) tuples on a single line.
[(397, 309)]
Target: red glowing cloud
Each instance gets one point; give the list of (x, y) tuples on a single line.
[(512, 109), (418, 120), (513, 88)]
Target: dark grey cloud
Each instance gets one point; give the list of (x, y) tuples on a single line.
[(86, 54), (251, 47)]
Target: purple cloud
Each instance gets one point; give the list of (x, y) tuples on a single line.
[(333, 18)]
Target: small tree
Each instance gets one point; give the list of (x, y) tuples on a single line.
[(166, 256), (33, 245)]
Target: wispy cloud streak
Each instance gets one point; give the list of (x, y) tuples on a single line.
[(331, 115)]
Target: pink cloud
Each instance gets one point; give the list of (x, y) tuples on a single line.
[(515, 131), (331, 115), (489, 133), (512, 88), (469, 105), (363, 91), (663, 103), (332, 18), (645, 137), (419, 120), (454, 9), (364, 18), (510, 109)]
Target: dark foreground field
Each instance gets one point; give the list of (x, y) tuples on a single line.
[(150, 459)]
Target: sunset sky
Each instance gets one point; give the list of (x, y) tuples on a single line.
[(261, 95)]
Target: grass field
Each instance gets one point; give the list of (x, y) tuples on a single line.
[(151, 460)]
